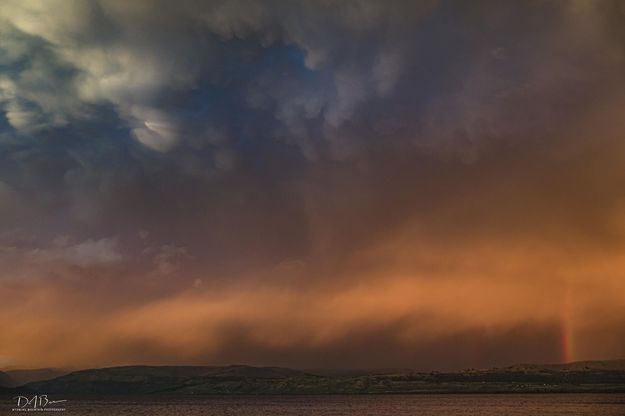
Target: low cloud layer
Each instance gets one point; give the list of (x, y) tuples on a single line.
[(428, 185)]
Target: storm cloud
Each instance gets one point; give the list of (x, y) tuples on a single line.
[(432, 184)]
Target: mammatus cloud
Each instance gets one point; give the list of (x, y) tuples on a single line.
[(430, 184), (108, 52)]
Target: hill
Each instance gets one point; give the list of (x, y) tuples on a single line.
[(595, 376), (608, 365), (20, 377), (5, 380), (159, 379)]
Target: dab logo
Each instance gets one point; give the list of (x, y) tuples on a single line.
[(37, 403)]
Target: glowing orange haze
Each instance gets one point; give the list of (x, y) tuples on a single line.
[(491, 289)]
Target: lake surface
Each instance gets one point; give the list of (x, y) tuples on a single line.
[(396, 405)]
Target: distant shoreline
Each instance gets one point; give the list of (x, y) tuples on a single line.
[(596, 377)]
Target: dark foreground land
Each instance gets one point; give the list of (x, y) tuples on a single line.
[(581, 377)]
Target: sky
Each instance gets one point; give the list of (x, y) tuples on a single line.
[(432, 185)]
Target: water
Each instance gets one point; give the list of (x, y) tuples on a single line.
[(396, 405)]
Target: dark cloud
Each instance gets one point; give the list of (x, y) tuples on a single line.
[(155, 148)]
